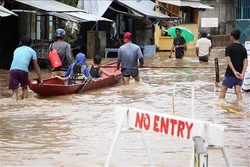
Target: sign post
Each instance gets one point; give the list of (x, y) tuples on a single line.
[(246, 81), (200, 152)]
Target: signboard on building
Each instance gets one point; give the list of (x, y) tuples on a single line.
[(247, 46), (246, 81), (209, 22)]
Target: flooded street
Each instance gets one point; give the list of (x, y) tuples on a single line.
[(78, 129)]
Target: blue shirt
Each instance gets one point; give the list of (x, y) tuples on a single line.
[(22, 57)]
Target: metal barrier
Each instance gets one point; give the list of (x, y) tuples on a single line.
[(192, 85), (221, 147), (200, 152), (169, 125), (174, 126)]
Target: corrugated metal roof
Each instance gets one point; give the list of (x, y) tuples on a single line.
[(50, 5), (139, 8), (193, 4), (87, 16), (144, 7), (5, 12), (61, 10), (78, 16)]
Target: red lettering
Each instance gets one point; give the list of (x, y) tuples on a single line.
[(164, 125), (181, 127), (146, 122), (189, 127), (174, 122), (156, 128), (139, 120)]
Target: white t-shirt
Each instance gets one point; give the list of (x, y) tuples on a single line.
[(203, 44)]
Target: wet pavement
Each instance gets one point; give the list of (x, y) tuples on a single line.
[(77, 130)]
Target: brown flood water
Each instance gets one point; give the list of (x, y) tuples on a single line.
[(77, 130)]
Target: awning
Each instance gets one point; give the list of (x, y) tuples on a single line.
[(143, 7), (78, 16), (87, 16), (192, 4), (5, 12), (61, 10), (50, 5), (139, 9), (132, 15), (95, 7)]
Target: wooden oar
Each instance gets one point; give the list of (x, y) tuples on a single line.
[(85, 85), (165, 67)]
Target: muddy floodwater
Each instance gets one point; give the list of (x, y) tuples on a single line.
[(78, 130)]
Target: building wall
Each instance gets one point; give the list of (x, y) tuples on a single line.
[(8, 39), (193, 27), (224, 10)]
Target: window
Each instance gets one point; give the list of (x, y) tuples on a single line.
[(243, 9), (44, 27), (187, 14)]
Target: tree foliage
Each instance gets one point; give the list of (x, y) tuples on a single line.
[(68, 30), (69, 2)]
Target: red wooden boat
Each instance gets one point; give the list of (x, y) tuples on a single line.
[(55, 86)]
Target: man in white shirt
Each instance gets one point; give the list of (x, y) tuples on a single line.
[(203, 47)]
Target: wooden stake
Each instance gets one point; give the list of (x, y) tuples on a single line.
[(217, 73)]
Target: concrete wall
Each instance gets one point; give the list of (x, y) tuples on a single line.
[(219, 40), (224, 10)]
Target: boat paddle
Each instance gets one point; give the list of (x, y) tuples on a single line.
[(86, 83)]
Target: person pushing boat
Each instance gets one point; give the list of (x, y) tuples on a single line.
[(128, 56)]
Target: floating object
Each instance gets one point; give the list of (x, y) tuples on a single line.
[(230, 110)]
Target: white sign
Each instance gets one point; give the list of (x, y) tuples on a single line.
[(246, 81), (171, 125), (247, 46), (209, 22)]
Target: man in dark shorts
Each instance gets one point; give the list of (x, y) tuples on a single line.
[(203, 47), (236, 56), (128, 56), (19, 67), (179, 44)]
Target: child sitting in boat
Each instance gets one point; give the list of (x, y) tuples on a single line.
[(80, 59), (95, 70), (76, 77)]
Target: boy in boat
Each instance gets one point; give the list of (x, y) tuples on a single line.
[(96, 70), (19, 67), (76, 77)]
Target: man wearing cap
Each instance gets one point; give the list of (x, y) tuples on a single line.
[(64, 50), (128, 56), (203, 47)]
